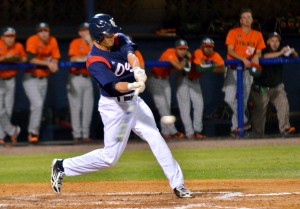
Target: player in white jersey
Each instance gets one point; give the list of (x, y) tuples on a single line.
[(115, 67)]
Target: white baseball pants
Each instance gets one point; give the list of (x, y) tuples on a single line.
[(189, 93), (230, 89), (143, 124), (7, 95), (81, 102), (160, 90), (35, 89)]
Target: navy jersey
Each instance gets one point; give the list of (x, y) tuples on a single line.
[(111, 67)]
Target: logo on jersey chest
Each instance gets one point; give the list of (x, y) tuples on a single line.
[(122, 68)]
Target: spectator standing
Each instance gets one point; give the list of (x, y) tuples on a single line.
[(11, 51), (189, 91), (245, 44), (80, 87), (269, 87), (159, 86), (43, 51)]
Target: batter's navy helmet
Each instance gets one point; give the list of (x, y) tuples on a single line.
[(102, 24)]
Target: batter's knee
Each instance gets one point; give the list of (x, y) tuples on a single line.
[(110, 160)]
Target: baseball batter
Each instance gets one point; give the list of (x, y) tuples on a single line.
[(80, 87), (245, 44), (12, 52), (42, 49), (115, 67)]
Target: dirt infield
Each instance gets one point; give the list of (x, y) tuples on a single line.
[(209, 194)]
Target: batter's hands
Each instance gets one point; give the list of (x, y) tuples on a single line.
[(137, 85), (139, 74)]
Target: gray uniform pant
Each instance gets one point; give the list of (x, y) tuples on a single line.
[(161, 94), (230, 89), (189, 93), (7, 95), (81, 100), (35, 89), (277, 96)]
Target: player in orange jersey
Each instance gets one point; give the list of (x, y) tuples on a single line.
[(159, 86), (10, 52), (80, 87), (189, 93), (42, 50), (245, 44)]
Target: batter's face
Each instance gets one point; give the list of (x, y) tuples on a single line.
[(9, 40), (108, 40), (273, 43), (246, 19), (181, 52), (44, 35), (207, 50)]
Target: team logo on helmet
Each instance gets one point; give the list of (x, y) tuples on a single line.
[(112, 22)]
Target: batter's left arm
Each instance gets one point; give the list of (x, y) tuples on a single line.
[(133, 60)]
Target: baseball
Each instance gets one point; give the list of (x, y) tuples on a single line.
[(169, 119)]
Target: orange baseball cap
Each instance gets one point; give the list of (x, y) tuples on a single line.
[(42, 26), (181, 44), (8, 31)]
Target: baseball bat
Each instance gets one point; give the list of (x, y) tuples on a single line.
[(127, 117)]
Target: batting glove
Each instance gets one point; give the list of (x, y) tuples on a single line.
[(137, 85), (139, 74)]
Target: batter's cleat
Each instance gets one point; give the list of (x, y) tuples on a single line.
[(182, 192), (57, 175), (15, 135), (33, 138)]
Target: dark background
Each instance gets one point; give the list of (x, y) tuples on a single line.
[(154, 26)]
